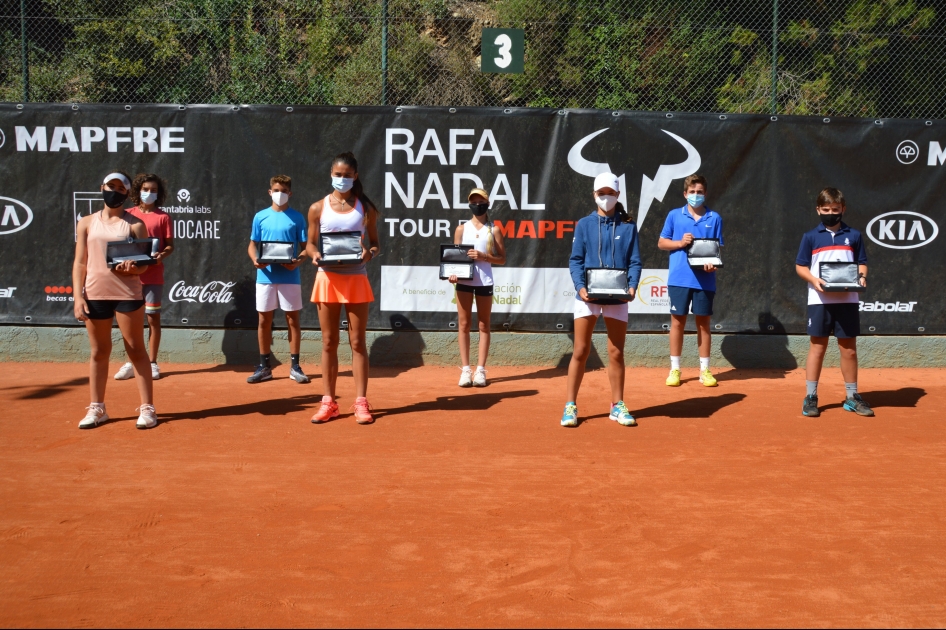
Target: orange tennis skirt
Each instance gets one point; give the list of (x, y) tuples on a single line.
[(338, 288)]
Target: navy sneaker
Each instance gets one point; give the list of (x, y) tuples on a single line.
[(261, 374), (810, 407), (296, 374), (858, 405)]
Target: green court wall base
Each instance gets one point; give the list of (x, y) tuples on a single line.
[(414, 348)]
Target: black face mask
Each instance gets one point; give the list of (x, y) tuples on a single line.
[(830, 220), (114, 199), (479, 209)]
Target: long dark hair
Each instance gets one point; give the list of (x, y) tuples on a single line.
[(348, 159)]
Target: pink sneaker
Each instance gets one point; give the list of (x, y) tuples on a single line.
[(327, 411), (362, 411)]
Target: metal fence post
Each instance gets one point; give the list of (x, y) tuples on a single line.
[(24, 60), (384, 52), (774, 57)]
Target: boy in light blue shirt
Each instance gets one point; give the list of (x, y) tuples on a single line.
[(278, 284), (688, 285)]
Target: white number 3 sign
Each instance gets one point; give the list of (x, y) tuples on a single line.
[(505, 46)]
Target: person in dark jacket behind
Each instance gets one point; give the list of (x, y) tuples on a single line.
[(605, 238)]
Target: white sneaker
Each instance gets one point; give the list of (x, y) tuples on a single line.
[(147, 418), (126, 372), (466, 377), (95, 415), (479, 378), (155, 372)]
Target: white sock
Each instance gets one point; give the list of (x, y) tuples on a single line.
[(466, 368), (704, 363), (674, 363), (480, 368)]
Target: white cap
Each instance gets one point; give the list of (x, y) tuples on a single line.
[(608, 180), (120, 178)]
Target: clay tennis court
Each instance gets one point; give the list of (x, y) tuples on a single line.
[(472, 507)]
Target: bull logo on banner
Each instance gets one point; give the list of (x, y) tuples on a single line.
[(651, 189)]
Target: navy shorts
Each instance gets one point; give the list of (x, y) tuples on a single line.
[(682, 297), (481, 290), (106, 309), (843, 320)]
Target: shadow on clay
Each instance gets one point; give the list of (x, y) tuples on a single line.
[(903, 397), (701, 407), (481, 401), (48, 391)]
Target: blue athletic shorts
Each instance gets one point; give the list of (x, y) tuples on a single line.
[(682, 297), (843, 320)]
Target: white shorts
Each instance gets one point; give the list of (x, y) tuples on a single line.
[(287, 296), (611, 311)]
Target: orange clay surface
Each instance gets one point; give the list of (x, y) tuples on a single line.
[(472, 507)]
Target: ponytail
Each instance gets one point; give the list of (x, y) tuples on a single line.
[(348, 159), (621, 214), (490, 242)]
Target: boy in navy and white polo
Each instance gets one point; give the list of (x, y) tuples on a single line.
[(687, 285), (837, 313)]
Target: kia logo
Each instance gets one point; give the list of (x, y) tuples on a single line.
[(183, 195), (907, 152), (16, 215), (215, 292), (902, 230)]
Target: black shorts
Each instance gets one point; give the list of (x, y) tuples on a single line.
[(483, 291), (682, 297), (844, 320), (106, 309)]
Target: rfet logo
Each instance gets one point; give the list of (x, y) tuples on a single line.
[(907, 152), (15, 217), (215, 292), (902, 230)]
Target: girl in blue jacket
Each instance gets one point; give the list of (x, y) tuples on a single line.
[(605, 238)]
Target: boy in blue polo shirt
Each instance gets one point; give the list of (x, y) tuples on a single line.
[(278, 284), (687, 285), (838, 313)]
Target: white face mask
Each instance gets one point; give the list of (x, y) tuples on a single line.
[(343, 184), (280, 198), (606, 202), (148, 198)]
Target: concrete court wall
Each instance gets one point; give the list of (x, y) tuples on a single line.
[(414, 348)]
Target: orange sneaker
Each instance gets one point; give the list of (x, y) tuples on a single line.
[(327, 411), (362, 411)]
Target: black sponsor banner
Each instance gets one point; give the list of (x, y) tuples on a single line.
[(418, 164)]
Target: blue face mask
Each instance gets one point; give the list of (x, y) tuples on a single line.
[(343, 184), (696, 201)]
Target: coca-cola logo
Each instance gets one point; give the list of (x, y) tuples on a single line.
[(215, 292)]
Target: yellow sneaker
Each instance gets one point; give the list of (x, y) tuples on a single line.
[(674, 379), (707, 378)]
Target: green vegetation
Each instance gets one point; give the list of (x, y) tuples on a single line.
[(835, 57)]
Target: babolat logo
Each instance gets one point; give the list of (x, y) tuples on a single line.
[(140, 139), (215, 292), (7, 293), (888, 307), (902, 230)]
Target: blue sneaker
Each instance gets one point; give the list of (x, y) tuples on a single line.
[(621, 415), (570, 417), (858, 405), (261, 374)]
